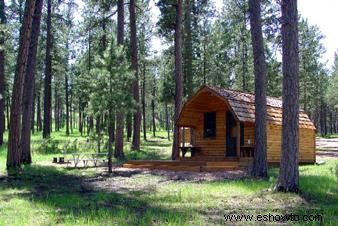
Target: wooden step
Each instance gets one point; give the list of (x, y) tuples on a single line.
[(210, 158), (166, 162), (177, 165), (164, 167), (222, 164), (220, 168)]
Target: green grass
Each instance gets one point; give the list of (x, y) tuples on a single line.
[(335, 135), (42, 194)]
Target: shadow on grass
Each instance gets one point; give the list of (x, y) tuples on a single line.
[(149, 154), (71, 199), (321, 193), (157, 143)]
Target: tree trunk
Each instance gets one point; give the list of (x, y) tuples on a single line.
[(178, 74), (90, 125), (98, 132), (7, 112), (80, 121), (47, 103), (38, 111), (167, 120), (135, 85), (260, 162), (288, 179), (119, 136), (153, 113), (120, 114), (71, 111), (188, 74), (33, 110), (67, 101), (110, 141), (28, 90), (56, 110), (129, 124), (144, 103), (14, 155), (2, 74)]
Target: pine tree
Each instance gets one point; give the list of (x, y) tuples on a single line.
[(14, 155), (120, 114), (29, 84), (260, 159), (2, 72), (178, 74), (134, 66), (47, 103), (288, 179)]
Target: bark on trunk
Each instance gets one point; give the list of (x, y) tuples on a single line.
[(67, 102), (29, 83), (33, 110), (71, 111), (188, 51), (14, 155), (47, 103), (135, 85), (153, 114), (260, 162), (56, 110), (289, 173), (2, 74), (38, 112), (167, 120), (110, 141), (120, 114), (144, 103), (129, 124), (178, 74)]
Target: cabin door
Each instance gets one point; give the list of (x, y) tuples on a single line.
[(231, 135)]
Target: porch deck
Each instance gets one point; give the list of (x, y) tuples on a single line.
[(195, 165)]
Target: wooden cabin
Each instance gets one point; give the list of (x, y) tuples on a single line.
[(217, 124), (216, 133)]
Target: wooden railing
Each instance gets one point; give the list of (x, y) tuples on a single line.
[(247, 151)]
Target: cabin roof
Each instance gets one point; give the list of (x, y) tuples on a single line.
[(243, 106)]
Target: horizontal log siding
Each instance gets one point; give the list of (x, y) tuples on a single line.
[(306, 144), (193, 115)]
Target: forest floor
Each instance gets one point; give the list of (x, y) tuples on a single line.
[(43, 194)]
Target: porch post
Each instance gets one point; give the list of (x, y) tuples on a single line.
[(238, 138), (179, 142), (183, 136)]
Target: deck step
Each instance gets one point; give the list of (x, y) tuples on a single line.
[(222, 164), (167, 162), (220, 168), (178, 165), (164, 167)]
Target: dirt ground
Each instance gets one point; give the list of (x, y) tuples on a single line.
[(121, 178)]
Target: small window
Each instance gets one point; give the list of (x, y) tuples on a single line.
[(209, 124)]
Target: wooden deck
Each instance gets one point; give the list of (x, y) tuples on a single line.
[(186, 165)]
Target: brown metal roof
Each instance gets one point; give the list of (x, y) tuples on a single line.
[(243, 105)]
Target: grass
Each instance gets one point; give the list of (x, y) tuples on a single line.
[(334, 135), (42, 194)]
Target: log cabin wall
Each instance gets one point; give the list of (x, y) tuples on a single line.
[(249, 134), (193, 115), (306, 144)]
